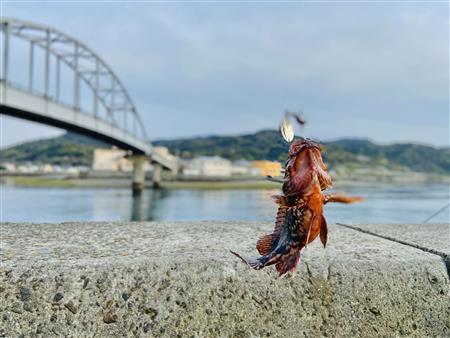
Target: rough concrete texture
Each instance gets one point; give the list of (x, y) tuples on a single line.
[(179, 280)]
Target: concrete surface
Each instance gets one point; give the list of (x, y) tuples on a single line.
[(429, 235), (179, 280)]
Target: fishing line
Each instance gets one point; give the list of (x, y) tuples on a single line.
[(445, 257), (436, 213)]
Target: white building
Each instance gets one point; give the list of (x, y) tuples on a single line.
[(164, 152), (208, 166), (47, 168), (114, 159), (28, 168), (8, 166), (111, 160)]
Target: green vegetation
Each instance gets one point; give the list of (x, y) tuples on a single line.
[(69, 149), (42, 182), (349, 153), (266, 144), (416, 157), (37, 181), (72, 149), (221, 185)]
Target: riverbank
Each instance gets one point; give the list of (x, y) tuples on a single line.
[(179, 279), (38, 181), (71, 182)]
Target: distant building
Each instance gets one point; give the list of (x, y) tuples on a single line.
[(8, 166), (111, 160), (267, 168), (191, 171), (47, 168), (208, 166), (164, 152), (114, 159), (241, 168), (28, 168)]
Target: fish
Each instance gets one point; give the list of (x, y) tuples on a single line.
[(300, 217)]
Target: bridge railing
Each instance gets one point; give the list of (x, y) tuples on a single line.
[(62, 56)]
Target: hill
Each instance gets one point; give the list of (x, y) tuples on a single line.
[(68, 149), (73, 149), (268, 144)]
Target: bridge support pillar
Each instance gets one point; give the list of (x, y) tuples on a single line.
[(138, 161), (157, 171)]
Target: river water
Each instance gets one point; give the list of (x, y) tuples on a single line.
[(384, 203)]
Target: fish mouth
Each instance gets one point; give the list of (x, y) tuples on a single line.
[(302, 144), (305, 167)]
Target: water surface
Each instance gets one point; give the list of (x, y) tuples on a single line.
[(384, 204)]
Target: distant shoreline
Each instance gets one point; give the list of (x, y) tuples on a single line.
[(74, 182)]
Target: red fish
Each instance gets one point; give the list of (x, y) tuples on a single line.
[(300, 218)]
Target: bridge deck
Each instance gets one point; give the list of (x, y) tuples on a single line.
[(17, 103)]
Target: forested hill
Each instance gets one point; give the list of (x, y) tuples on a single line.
[(67, 149), (74, 149), (268, 144)]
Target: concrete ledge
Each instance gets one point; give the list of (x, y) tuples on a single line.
[(432, 236), (178, 279)]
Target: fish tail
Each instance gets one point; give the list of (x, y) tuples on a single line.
[(288, 263), (254, 263)]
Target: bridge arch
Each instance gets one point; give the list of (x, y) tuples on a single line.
[(121, 125)]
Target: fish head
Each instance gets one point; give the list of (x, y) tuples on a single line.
[(305, 167)]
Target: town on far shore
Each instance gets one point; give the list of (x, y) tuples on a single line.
[(113, 163), (115, 160), (111, 167)]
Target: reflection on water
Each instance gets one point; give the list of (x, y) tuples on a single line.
[(192, 205), (384, 204), (145, 205)]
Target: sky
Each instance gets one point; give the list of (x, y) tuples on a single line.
[(361, 70)]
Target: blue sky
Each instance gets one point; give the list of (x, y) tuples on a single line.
[(371, 70)]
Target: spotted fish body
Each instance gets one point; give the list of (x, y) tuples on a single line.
[(300, 218)]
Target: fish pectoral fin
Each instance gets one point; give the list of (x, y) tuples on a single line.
[(323, 231), (337, 198)]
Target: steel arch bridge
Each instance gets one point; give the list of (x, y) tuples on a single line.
[(93, 101)]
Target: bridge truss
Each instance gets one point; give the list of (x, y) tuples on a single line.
[(51, 56)]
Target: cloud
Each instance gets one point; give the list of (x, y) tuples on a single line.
[(228, 68)]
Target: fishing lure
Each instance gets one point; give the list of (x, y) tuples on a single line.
[(300, 219), (286, 128)]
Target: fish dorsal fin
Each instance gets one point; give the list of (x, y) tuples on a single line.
[(266, 242)]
